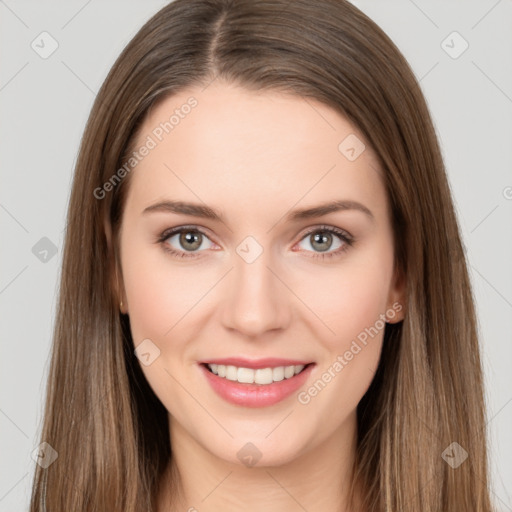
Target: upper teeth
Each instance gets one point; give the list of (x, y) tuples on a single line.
[(259, 376)]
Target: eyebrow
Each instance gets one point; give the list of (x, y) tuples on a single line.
[(203, 211)]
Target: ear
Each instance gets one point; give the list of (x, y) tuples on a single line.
[(115, 273), (396, 306)]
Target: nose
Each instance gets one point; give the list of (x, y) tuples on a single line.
[(256, 300)]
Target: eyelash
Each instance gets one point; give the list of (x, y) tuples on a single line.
[(343, 235)]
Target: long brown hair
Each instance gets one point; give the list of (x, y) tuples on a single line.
[(109, 429)]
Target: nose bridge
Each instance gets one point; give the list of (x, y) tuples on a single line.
[(256, 300)]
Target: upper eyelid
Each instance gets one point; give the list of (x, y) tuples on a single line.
[(167, 233)]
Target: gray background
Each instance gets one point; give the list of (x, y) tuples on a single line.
[(44, 105)]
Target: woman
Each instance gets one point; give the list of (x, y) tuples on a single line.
[(250, 370)]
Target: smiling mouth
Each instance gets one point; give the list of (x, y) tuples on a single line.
[(260, 376)]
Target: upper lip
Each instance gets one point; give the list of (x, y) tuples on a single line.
[(267, 362)]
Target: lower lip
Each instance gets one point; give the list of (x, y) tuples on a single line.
[(255, 395)]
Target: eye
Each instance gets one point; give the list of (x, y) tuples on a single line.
[(322, 240), (188, 239)]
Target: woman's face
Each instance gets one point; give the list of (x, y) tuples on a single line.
[(258, 280)]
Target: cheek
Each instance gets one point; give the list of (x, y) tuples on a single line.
[(347, 300), (355, 344), (158, 301), (353, 305), (159, 295), (352, 350)]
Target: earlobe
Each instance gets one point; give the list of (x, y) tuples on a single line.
[(396, 308)]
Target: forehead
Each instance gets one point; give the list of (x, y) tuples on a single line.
[(225, 145)]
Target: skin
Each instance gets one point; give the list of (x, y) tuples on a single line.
[(255, 157)]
